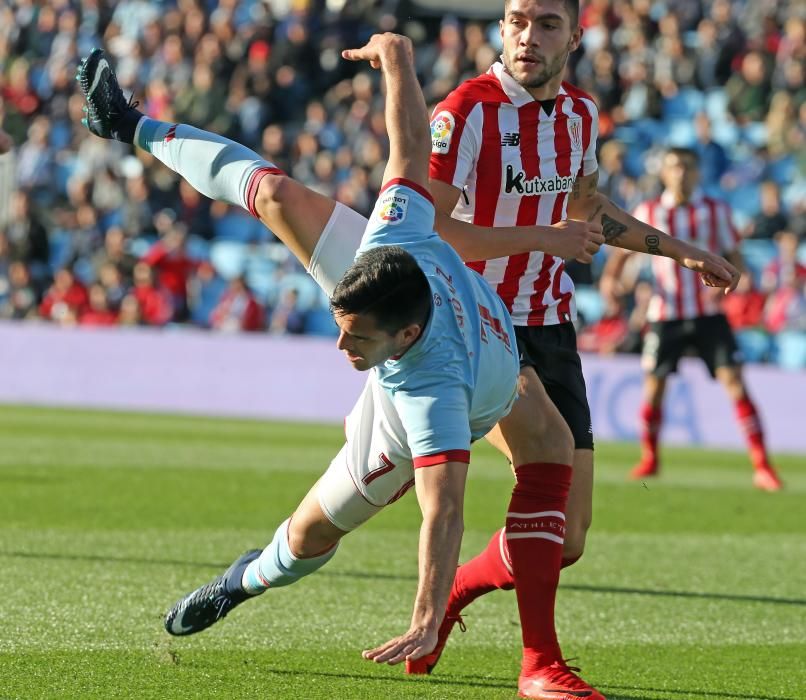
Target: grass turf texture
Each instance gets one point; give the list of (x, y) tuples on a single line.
[(692, 586)]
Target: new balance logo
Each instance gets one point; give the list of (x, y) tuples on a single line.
[(511, 138)]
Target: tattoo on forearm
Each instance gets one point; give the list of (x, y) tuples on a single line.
[(593, 184), (653, 244), (611, 229), (593, 216)]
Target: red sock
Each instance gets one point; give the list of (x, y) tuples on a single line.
[(651, 419), (535, 531), (485, 572), (751, 427)]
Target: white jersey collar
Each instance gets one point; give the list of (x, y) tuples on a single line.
[(517, 94)]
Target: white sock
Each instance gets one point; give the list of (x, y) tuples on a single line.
[(277, 566), (215, 166)]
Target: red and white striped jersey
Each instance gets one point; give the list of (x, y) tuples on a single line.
[(516, 166), (704, 222)]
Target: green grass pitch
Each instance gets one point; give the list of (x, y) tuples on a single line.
[(692, 585)]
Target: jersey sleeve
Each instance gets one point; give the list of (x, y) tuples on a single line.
[(436, 419), (589, 163), (403, 214), (641, 212), (727, 234), (454, 145)]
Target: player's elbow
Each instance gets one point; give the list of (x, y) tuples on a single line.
[(275, 190)]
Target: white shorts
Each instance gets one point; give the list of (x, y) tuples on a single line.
[(335, 250), (374, 468)]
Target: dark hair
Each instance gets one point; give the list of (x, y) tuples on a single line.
[(571, 6), (684, 153), (387, 283)]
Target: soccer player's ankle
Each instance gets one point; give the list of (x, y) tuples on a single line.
[(148, 130), (535, 658)]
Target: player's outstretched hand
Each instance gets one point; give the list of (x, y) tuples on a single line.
[(574, 240), (6, 142), (379, 47), (714, 270), (416, 643)]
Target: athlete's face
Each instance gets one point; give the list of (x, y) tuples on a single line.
[(537, 37), (679, 175), (365, 344)]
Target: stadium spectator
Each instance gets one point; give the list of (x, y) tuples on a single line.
[(65, 300), (286, 317), (171, 263), (744, 307), (785, 268), (749, 89), (683, 315), (40, 51), (771, 219), (114, 253), (238, 310), (154, 301), (97, 312), (20, 299)]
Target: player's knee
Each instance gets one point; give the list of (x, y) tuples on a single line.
[(310, 539), (274, 190), (575, 536)]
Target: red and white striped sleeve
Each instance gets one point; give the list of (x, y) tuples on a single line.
[(641, 212), (454, 143), (727, 234), (589, 163)]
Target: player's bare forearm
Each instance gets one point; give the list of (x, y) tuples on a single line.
[(406, 113), (474, 242), (623, 230), (440, 491), (566, 239)]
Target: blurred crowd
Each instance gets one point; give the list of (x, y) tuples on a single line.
[(93, 234)]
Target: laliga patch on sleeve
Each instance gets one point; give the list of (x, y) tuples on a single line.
[(392, 207), (442, 127)]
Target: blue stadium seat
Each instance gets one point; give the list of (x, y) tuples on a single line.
[(228, 258), (783, 170), (745, 199), (260, 273), (61, 249), (755, 133), (802, 253), (319, 321), (684, 105), (306, 288), (725, 132), (716, 105), (589, 303), (240, 227), (84, 271), (208, 296), (139, 246), (757, 255), (197, 248), (680, 133), (755, 344), (791, 350)]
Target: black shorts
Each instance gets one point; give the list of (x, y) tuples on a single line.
[(709, 337), (552, 351)]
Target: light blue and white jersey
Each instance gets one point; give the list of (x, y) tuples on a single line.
[(459, 379)]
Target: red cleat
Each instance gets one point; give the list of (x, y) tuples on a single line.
[(767, 480), (556, 682), (645, 468), (426, 664)]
